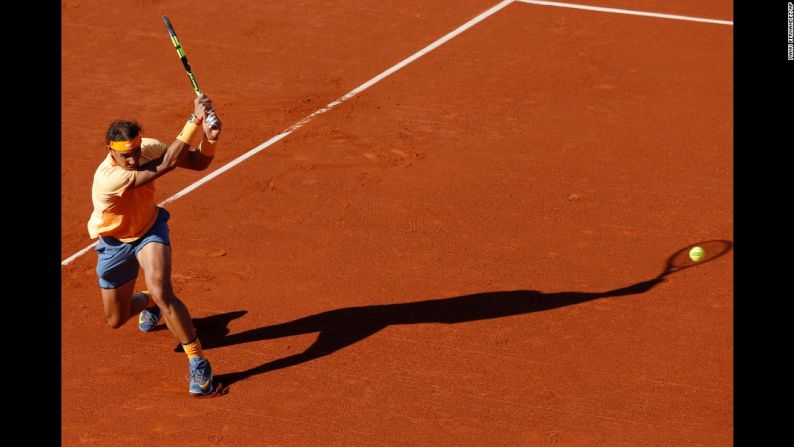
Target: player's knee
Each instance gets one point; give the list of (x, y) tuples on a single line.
[(115, 322), (162, 296)]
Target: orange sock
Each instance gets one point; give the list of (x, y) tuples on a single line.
[(193, 349)]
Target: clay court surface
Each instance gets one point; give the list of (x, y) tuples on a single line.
[(422, 264)]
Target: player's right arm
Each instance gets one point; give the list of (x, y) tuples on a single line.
[(168, 161), (200, 158)]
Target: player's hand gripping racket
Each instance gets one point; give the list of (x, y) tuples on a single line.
[(212, 121)]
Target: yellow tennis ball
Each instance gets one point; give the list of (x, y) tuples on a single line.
[(696, 254)]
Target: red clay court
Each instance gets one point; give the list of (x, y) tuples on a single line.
[(434, 259)]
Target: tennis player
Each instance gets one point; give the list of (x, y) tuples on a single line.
[(133, 230)]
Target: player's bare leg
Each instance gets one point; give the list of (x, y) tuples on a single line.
[(155, 260), (121, 304)]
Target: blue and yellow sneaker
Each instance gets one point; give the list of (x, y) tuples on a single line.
[(149, 317), (200, 376)]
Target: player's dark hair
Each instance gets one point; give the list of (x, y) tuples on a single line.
[(122, 130)]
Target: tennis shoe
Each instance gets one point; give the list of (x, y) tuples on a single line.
[(148, 318), (200, 376)]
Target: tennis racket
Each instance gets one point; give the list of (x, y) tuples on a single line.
[(183, 57)]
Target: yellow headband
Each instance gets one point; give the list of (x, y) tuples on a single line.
[(126, 146)]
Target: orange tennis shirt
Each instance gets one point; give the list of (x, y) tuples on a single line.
[(120, 210)]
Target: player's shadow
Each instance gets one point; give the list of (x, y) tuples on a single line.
[(214, 327), (340, 328)]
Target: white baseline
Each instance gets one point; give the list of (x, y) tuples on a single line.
[(627, 11)]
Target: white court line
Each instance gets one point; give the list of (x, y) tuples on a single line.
[(330, 106), (628, 11)]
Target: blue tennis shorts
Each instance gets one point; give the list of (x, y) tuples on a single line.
[(117, 263)]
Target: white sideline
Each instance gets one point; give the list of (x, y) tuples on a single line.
[(330, 106), (627, 11)]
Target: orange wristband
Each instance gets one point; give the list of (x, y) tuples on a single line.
[(189, 133), (208, 147)]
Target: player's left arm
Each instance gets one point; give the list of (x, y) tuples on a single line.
[(200, 157)]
